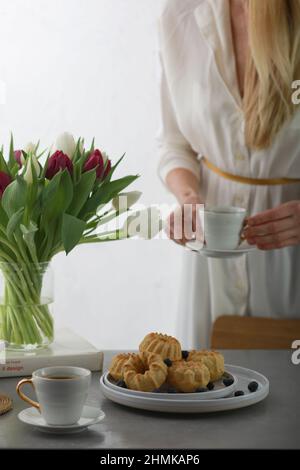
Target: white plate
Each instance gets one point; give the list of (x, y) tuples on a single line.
[(171, 405), (202, 250), (219, 391), (89, 417)]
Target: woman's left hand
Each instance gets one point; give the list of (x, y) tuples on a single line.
[(274, 228)]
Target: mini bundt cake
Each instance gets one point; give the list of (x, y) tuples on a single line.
[(145, 372), (188, 376), (212, 359), (166, 346), (116, 367)]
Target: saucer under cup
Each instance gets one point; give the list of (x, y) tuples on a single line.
[(61, 392)]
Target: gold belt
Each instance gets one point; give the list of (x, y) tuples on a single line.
[(245, 179)]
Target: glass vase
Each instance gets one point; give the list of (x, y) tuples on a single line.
[(26, 322)]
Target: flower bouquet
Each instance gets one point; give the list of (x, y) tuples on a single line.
[(46, 208)]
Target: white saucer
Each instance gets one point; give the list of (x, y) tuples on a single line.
[(89, 417), (202, 250)]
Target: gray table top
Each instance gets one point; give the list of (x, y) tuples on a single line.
[(273, 423)]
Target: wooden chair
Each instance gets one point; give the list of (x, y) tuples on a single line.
[(235, 332)]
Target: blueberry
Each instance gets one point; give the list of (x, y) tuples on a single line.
[(210, 386), (171, 390), (121, 383), (253, 386), (228, 382), (201, 390), (239, 393), (157, 390), (184, 354), (168, 362), (226, 375)]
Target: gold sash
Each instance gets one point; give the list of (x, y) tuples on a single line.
[(246, 180)]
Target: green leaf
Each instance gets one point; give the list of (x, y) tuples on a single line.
[(77, 153), (114, 167), (14, 170), (77, 171), (28, 236), (3, 217), (14, 223), (11, 160), (3, 164), (72, 230), (44, 170), (50, 188), (105, 193), (57, 196), (36, 148), (92, 147), (14, 196), (40, 155), (82, 191)]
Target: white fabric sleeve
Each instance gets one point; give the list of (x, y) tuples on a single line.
[(174, 150)]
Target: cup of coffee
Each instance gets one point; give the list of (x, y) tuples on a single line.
[(222, 227), (61, 393)]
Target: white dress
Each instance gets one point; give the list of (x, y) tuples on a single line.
[(202, 115)]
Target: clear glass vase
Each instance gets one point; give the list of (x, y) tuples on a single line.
[(26, 291)]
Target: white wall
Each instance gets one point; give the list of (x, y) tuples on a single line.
[(90, 67)]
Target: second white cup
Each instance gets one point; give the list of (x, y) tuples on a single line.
[(61, 392)]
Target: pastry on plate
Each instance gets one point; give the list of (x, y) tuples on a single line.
[(212, 359), (188, 376), (166, 346), (116, 367), (145, 372)]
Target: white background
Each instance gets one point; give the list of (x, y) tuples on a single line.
[(91, 67)]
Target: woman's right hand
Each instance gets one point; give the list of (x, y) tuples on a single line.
[(184, 223)]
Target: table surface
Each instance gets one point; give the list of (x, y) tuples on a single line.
[(273, 423)]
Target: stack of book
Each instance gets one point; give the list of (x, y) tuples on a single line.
[(68, 349)]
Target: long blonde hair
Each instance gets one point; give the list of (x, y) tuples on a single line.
[(273, 64)]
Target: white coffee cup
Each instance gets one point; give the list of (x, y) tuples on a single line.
[(61, 392), (222, 227)]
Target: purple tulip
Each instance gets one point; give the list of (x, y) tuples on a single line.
[(95, 160), (19, 157), (5, 180), (58, 161), (107, 168)]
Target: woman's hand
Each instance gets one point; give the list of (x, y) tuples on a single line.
[(184, 223), (275, 228)]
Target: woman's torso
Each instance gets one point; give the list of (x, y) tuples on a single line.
[(199, 62)]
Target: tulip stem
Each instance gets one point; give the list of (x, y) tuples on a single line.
[(25, 316)]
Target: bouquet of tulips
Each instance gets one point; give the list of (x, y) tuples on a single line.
[(46, 208)]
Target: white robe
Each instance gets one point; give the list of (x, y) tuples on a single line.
[(202, 115)]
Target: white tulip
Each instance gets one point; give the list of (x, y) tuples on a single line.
[(31, 165), (30, 147), (125, 200), (65, 143), (104, 156), (145, 224)]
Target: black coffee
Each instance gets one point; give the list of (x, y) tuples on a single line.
[(60, 377)]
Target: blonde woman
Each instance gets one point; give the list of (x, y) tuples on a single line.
[(231, 136)]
